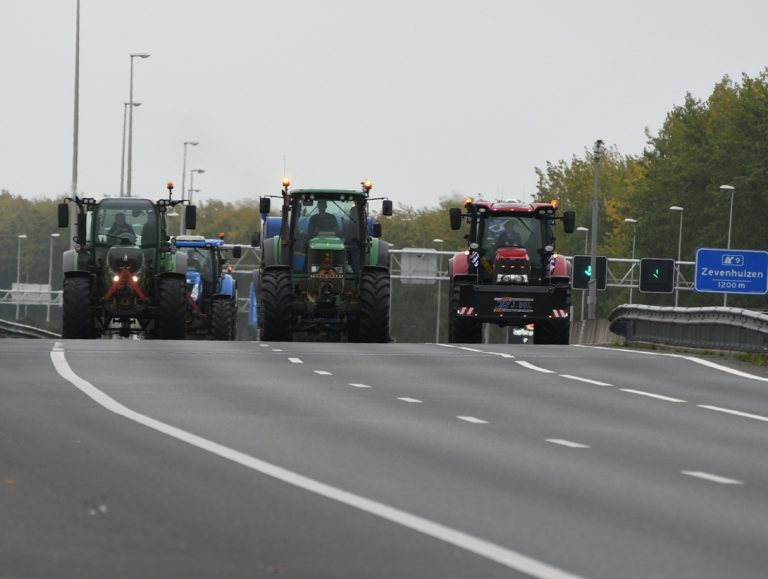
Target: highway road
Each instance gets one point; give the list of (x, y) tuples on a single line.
[(210, 459)]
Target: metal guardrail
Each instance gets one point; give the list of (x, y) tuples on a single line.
[(14, 330), (716, 328)]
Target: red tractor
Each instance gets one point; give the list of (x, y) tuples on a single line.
[(510, 274)]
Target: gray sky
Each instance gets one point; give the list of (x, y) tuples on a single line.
[(424, 98)]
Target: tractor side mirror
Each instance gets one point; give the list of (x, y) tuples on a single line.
[(237, 252), (386, 207), (377, 230), (191, 217), (455, 214), (265, 203), (569, 221), (256, 239), (63, 215)]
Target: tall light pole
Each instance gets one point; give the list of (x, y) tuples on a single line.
[(439, 289), (122, 157), (50, 278), (730, 223), (183, 220), (18, 273), (633, 223), (586, 248), (130, 124), (679, 210), (75, 132), (592, 298)]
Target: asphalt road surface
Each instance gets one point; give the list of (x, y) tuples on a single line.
[(209, 459)]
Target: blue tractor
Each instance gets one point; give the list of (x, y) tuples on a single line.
[(211, 289)]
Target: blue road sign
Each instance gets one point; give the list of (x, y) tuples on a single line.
[(731, 271)]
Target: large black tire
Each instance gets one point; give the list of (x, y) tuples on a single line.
[(554, 331), (77, 323), (276, 300), (374, 306), (223, 319), (172, 301), (461, 330)]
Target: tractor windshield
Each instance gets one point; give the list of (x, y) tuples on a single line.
[(199, 259), (510, 231), (337, 217), (125, 223)]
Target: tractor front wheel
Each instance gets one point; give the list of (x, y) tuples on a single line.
[(374, 306), (77, 323), (276, 306), (223, 315), (172, 301), (462, 330)]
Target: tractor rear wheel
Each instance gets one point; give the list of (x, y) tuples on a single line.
[(276, 306), (554, 331), (374, 306), (462, 330), (223, 316), (77, 323), (172, 301)]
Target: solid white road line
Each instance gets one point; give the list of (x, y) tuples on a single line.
[(472, 419), (359, 385), (532, 367), (502, 354), (567, 443), (486, 549), (712, 477), (707, 363), (295, 360), (323, 372), (651, 395), (587, 380), (734, 412), (411, 400), (470, 349)]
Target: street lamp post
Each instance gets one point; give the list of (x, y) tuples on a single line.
[(50, 278), (633, 223), (586, 248), (439, 288), (18, 273), (183, 220), (730, 223), (130, 124), (122, 156), (680, 210), (592, 298), (75, 130)]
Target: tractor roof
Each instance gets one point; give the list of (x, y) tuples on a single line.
[(515, 206), (197, 241), (327, 192)]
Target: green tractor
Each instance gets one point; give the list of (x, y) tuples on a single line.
[(324, 271), (124, 276)]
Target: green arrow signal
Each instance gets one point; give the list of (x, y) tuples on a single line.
[(656, 273), (588, 271)]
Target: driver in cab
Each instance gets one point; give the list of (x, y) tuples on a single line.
[(322, 222)]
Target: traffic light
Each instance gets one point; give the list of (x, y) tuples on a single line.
[(582, 271), (657, 275)]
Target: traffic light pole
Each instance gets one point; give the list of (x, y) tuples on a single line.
[(592, 297)]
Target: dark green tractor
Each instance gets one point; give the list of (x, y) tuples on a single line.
[(124, 276), (324, 271)]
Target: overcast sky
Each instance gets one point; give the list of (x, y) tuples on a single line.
[(426, 99)]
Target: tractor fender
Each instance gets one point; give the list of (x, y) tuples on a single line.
[(227, 286), (375, 268), (69, 261), (560, 267), (379, 254), (458, 265), (180, 263), (269, 252)]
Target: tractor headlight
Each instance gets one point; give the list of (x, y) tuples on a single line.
[(116, 278), (135, 278)]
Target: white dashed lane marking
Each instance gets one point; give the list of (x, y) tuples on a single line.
[(359, 385), (734, 412), (276, 350), (532, 367), (651, 395), (411, 400), (568, 443), (711, 477), (323, 372), (587, 380), (295, 360), (472, 419)]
